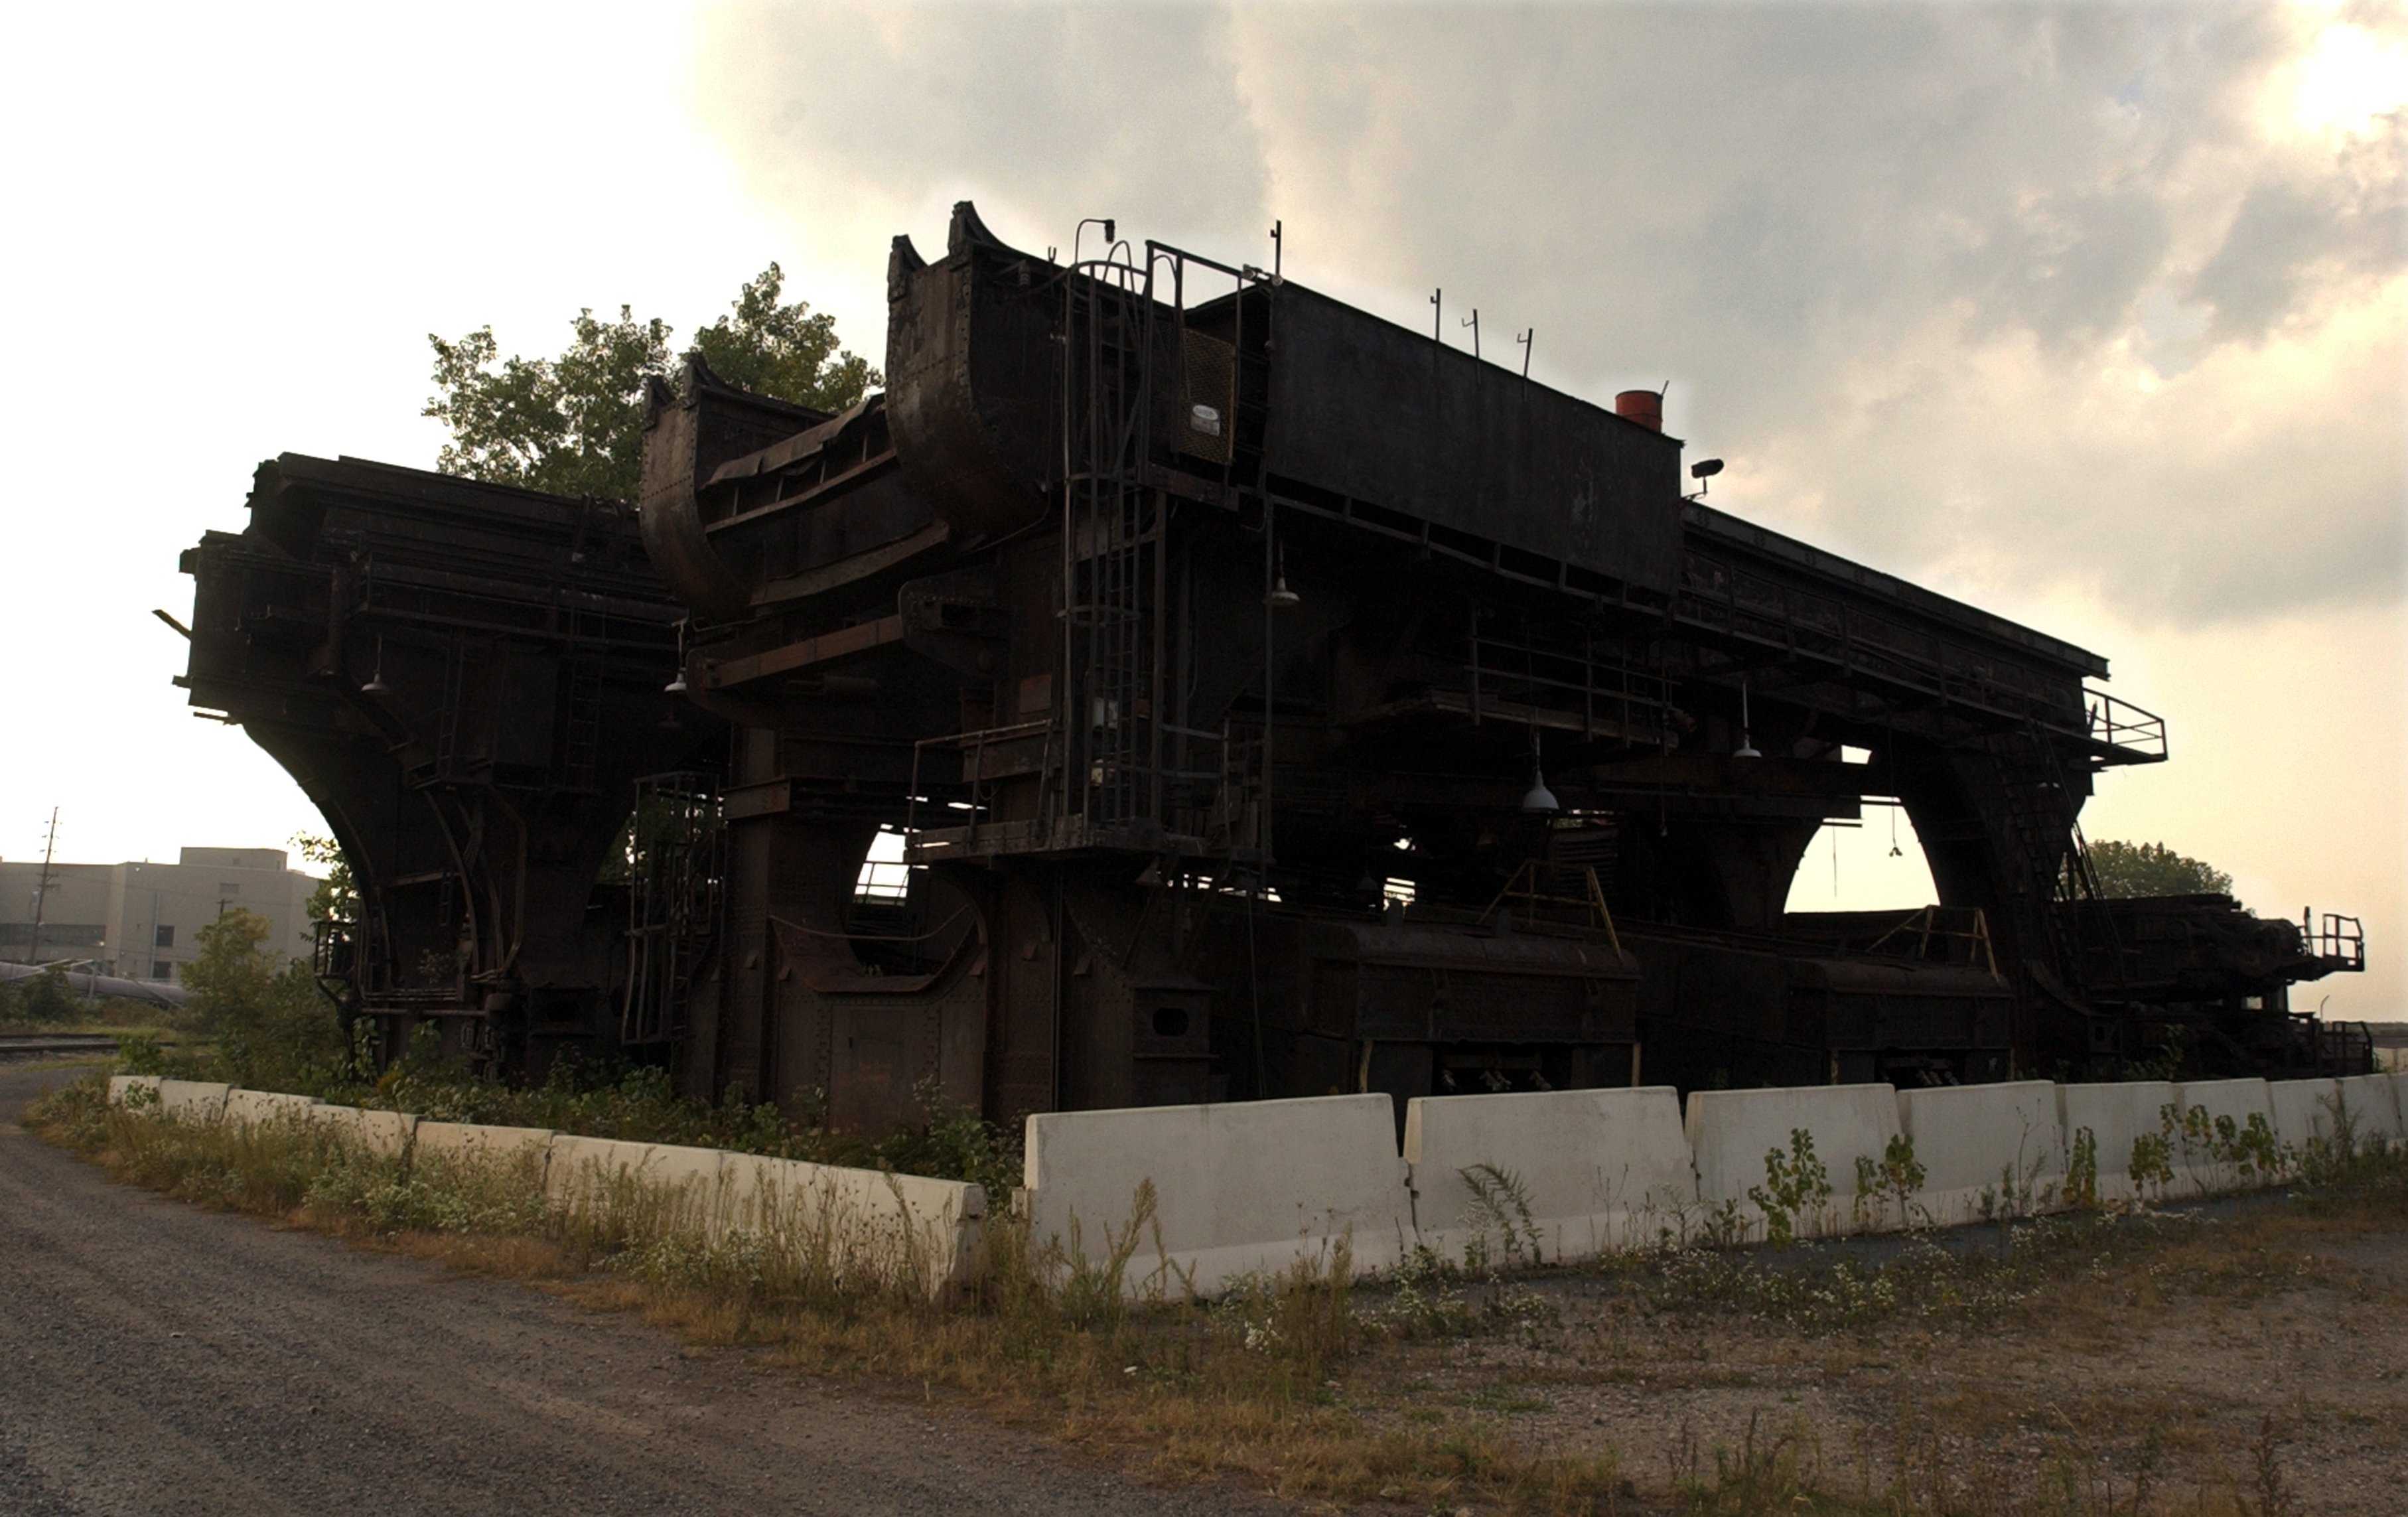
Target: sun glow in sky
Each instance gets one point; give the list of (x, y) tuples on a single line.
[(2091, 314), (2349, 81)]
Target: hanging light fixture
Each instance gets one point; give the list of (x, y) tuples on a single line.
[(1746, 748), (677, 685), (376, 685), (1281, 597), (1541, 799)]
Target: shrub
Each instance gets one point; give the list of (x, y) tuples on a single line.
[(1795, 1188), (274, 1030)]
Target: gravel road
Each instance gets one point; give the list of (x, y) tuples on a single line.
[(158, 1358)]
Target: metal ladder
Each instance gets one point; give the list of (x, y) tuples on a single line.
[(1112, 564), (581, 743)]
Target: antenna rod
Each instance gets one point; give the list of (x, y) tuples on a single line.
[(1277, 249), (1437, 318), (1474, 325), (1527, 342)]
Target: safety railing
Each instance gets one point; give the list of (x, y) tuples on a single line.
[(2338, 941), (2122, 725)]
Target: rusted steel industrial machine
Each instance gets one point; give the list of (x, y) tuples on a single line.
[(466, 678), (1179, 685)]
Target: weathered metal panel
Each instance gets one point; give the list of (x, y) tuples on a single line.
[(1365, 409)]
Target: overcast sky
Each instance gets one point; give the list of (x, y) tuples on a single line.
[(2091, 314)]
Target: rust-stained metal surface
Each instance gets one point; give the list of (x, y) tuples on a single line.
[(466, 680), (1180, 685)]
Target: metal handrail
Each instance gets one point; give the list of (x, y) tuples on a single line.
[(2340, 940), (2120, 724)]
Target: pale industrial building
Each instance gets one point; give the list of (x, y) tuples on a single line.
[(139, 919)]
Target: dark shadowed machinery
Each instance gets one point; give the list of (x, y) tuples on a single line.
[(1180, 686)]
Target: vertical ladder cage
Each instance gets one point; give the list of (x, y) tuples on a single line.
[(1135, 772)]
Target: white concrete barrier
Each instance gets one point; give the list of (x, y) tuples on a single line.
[(1986, 1150), (2302, 1110), (2203, 1161), (2116, 1116), (2374, 1108), (457, 1141), (1731, 1132), (856, 1222), (250, 1107), (1240, 1188), (1595, 1169), (386, 1134), (584, 1171), (121, 1087), (193, 1100)]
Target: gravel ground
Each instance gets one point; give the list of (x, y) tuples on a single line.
[(2272, 1334), (157, 1358)]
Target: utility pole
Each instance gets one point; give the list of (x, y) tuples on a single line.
[(42, 887)]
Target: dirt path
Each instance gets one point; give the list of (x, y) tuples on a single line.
[(158, 1358)]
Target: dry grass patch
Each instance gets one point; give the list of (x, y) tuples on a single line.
[(2238, 1361)]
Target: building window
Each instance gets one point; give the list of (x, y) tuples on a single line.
[(59, 935), (229, 890), (163, 936), (161, 969)]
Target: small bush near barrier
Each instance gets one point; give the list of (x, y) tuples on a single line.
[(1892, 1180), (1796, 1190)]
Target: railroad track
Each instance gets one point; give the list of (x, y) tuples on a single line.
[(50, 1045)]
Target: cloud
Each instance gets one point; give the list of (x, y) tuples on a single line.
[(2013, 297)]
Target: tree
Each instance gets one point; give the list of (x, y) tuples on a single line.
[(41, 1000), (337, 898), (783, 351), (273, 1031), (2153, 869), (572, 425)]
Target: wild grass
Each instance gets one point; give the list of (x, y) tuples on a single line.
[(1784, 1470), (1102, 1351), (1266, 1383)]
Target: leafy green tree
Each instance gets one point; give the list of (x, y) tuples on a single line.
[(2153, 869), (273, 1031), (572, 425), (337, 898), (783, 351)]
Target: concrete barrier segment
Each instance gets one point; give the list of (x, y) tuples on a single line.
[(1240, 1188), (121, 1086), (1731, 1133), (250, 1108), (2302, 1110), (1986, 1150), (193, 1100), (2373, 1108), (386, 1134), (600, 1174), (2122, 1120), (1563, 1174), (854, 1221), (458, 1141)]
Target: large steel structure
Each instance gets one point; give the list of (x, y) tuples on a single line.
[(466, 678), (1266, 699)]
